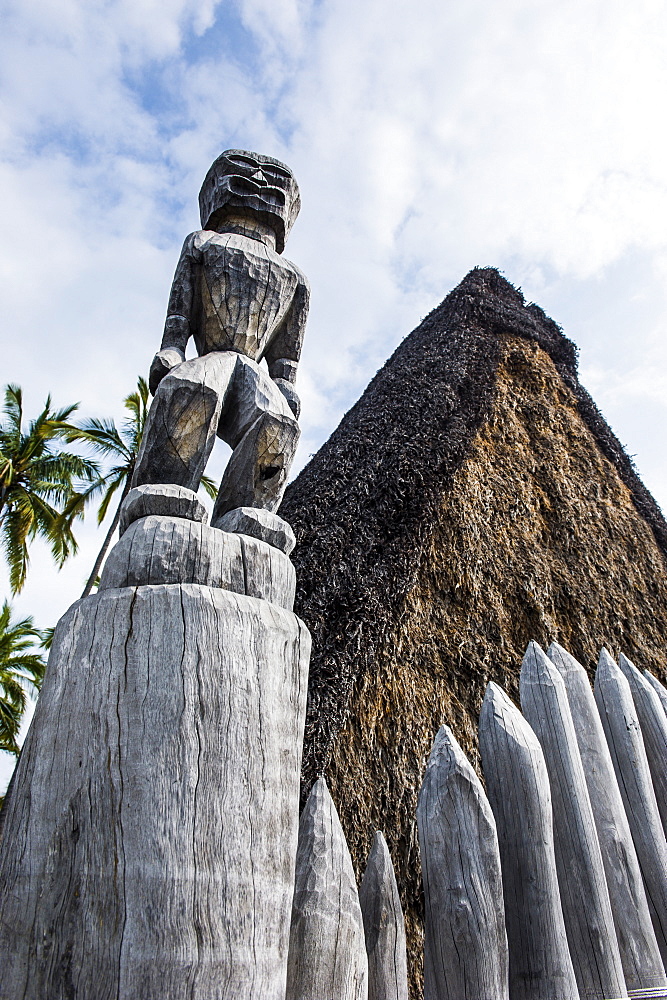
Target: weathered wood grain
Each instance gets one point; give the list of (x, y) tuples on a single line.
[(653, 722), (465, 943), (327, 950), (583, 888), (262, 524), (517, 784), (163, 500), (384, 928), (226, 394), (626, 745), (658, 687), (150, 842), (642, 964), (224, 192), (242, 303), (157, 550), (269, 574)]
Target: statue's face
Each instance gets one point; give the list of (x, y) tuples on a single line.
[(243, 183)]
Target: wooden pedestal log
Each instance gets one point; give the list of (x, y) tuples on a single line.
[(624, 738), (327, 951), (583, 887), (465, 949), (150, 840), (384, 927), (642, 964), (653, 722), (518, 788)]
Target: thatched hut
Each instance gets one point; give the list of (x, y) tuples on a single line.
[(473, 499)]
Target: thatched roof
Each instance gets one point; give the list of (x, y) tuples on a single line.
[(473, 499)]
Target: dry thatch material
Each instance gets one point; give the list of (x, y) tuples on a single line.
[(473, 499)]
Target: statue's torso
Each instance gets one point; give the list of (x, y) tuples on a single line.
[(242, 291)]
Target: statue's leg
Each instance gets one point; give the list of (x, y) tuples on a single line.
[(183, 420), (259, 425)]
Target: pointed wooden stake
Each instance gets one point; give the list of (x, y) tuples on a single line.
[(465, 953), (583, 887), (653, 722), (383, 926), (657, 686), (642, 964), (624, 738), (518, 788), (327, 951)]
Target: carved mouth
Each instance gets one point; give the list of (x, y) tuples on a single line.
[(244, 186)]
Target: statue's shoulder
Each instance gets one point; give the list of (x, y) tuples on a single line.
[(300, 276)]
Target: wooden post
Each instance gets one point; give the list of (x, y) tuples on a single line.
[(150, 843), (653, 722), (624, 738), (642, 964), (465, 948), (583, 888), (518, 788), (327, 950), (383, 926), (658, 687)]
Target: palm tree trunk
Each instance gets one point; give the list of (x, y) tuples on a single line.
[(107, 541)]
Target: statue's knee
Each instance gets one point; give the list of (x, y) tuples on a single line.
[(283, 430)]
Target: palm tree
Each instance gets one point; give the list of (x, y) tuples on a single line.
[(21, 673), (36, 479), (123, 447)]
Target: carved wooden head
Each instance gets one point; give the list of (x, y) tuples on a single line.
[(240, 182)]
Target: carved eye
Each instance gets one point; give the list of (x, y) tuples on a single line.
[(275, 172), (244, 161)]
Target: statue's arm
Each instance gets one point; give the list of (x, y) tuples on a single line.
[(177, 325), (284, 351)]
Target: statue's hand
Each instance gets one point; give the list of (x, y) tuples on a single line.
[(290, 395), (163, 362)]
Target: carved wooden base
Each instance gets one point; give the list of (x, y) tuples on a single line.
[(157, 550), (151, 833), (166, 538)]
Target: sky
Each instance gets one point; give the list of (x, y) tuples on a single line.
[(427, 137)]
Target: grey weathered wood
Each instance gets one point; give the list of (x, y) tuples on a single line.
[(384, 928), (157, 550), (150, 842), (658, 687), (272, 191), (262, 524), (465, 943), (583, 887), (242, 302), (327, 950), (228, 395), (163, 500), (642, 964), (518, 788), (653, 722), (624, 738)]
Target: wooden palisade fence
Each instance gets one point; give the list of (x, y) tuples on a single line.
[(552, 888)]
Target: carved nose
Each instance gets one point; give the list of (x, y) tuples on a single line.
[(258, 177)]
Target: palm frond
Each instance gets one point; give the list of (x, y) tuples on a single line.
[(21, 673), (137, 403), (102, 435), (210, 486), (47, 637), (64, 467), (13, 406), (113, 486), (15, 530)]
